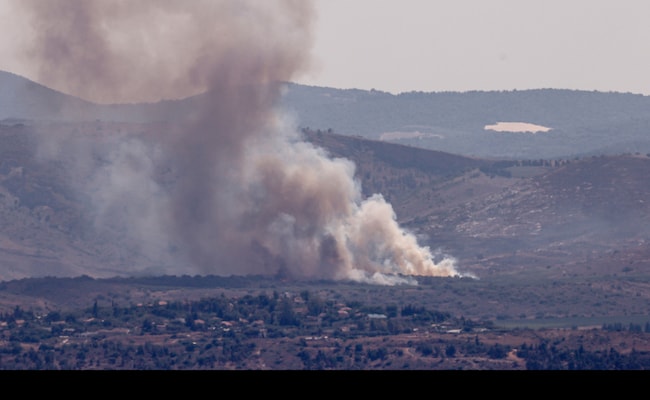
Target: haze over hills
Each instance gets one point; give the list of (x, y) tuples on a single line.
[(21, 98), (581, 122), (495, 216)]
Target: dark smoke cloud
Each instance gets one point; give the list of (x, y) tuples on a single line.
[(248, 195)]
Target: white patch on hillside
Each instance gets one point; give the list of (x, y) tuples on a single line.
[(516, 127)]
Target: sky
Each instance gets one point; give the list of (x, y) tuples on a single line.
[(461, 45)]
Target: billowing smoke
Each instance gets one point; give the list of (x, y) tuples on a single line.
[(239, 191)]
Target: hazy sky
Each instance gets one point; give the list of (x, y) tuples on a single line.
[(460, 45), (428, 45)]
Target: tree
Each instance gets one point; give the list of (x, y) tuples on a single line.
[(497, 351), (450, 351), (287, 315), (315, 305), (53, 316), (147, 326)]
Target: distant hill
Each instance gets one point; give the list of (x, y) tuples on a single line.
[(21, 98), (582, 122)]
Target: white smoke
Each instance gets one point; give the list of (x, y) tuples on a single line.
[(317, 221), (244, 193)]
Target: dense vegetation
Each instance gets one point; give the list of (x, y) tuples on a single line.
[(276, 329)]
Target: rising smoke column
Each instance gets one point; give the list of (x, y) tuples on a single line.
[(250, 195)]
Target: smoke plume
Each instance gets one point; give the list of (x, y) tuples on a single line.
[(242, 193)]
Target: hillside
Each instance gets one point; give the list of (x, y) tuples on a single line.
[(581, 123), (49, 226), (23, 99), (493, 216), (511, 217), (575, 214), (408, 177)]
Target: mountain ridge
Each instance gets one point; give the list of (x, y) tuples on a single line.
[(582, 122)]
